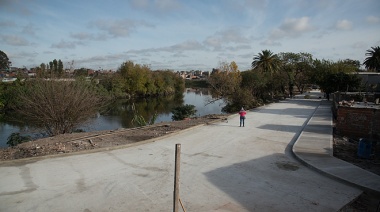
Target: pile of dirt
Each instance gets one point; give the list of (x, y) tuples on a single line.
[(346, 149), (77, 142)]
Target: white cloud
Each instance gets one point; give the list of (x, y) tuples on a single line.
[(17, 7), (238, 47), (296, 25), (140, 3), (292, 27), (88, 36), (29, 29), (225, 37), (65, 44), (82, 36), (343, 25), (156, 5), (270, 43), (373, 19), (7, 23), (119, 28), (359, 45), (189, 45), (15, 40), (255, 3), (166, 4), (30, 56)]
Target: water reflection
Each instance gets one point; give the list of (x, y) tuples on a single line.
[(119, 114)]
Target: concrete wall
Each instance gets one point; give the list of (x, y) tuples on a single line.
[(358, 122)]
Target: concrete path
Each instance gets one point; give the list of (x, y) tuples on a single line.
[(224, 167), (314, 148)]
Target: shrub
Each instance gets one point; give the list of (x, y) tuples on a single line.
[(57, 106), (182, 112), (15, 139)]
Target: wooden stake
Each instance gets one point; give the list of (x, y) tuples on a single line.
[(176, 177)]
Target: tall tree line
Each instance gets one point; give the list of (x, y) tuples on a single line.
[(281, 75)]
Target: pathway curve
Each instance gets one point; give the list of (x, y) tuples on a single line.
[(224, 167)]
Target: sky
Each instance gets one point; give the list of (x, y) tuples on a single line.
[(183, 35)]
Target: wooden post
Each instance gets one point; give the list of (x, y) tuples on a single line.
[(176, 177)]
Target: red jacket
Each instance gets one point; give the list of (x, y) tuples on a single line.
[(242, 113)]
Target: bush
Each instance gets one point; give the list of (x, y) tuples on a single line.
[(182, 112), (57, 106), (15, 139)]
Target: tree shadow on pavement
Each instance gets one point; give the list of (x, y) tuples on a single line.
[(296, 112), (278, 183), (283, 128)]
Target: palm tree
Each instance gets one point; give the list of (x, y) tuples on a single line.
[(373, 59), (266, 61)]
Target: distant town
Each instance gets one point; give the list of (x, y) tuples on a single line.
[(13, 73)]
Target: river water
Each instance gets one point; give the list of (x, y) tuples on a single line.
[(120, 114)]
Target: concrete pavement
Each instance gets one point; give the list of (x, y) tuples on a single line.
[(224, 167)]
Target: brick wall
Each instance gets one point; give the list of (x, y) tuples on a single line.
[(358, 122)]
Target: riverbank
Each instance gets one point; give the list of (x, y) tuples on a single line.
[(100, 140)]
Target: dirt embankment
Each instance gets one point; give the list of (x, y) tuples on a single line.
[(79, 142)]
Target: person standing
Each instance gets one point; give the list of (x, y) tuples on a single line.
[(242, 114)]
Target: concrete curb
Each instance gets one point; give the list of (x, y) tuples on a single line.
[(313, 148)]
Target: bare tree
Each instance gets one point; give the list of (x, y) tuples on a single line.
[(57, 106)]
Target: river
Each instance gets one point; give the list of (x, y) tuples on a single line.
[(119, 114)]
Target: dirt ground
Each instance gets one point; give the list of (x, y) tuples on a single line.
[(77, 142), (344, 148)]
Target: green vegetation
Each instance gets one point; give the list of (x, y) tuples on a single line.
[(139, 120), (134, 80), (196, 84), (15, 139), (4, 61), (276, 76), (183, 112), (372, 62), (47, 99)]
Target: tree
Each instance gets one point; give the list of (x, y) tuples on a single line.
[(4, 61), (55, 66), (372, 62), (57, 106), (51, 68), (352, 63), (266, 61), (60, 68), (335, 76), (340, 81), (82, 72), (225, 81), (303, 71)]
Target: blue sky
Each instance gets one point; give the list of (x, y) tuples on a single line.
[(183, 35)]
